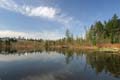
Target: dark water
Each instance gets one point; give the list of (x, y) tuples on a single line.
[(59, 66)]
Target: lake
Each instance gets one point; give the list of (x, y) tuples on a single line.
[(59, 66)]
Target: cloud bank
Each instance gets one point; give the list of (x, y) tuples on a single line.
[(46, 35), (41, 11)]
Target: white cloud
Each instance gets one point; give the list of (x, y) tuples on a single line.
[(35, 35), (8, 4), (41, 11)]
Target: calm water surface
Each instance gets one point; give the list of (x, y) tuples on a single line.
[(59, 66)]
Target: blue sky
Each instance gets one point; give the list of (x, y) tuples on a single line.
[(48, 19)]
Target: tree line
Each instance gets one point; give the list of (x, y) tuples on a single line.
[(104, 32)]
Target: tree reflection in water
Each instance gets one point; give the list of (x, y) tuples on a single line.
[(110, 63)]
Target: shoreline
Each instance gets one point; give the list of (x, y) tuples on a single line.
[(112, 48), (91, 49)]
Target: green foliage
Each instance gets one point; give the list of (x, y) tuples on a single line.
[(69, 36), (108, 31)]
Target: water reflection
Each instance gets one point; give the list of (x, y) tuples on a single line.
[(110, 63), (62, 64)]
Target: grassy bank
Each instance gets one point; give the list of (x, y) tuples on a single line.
[(114, 48), (25, 45)]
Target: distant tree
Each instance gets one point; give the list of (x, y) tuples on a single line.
[(91, 35), (69, 36), (99, 31), (1, 42), (111, 28)]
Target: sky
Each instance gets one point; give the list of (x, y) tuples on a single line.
[(49, 19)]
